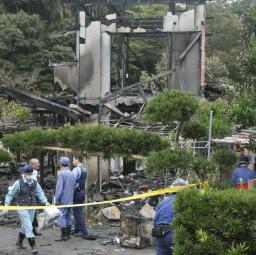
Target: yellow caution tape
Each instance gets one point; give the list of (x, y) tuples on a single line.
[(202, 185)]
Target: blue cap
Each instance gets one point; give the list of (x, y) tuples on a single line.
[(64, 161), (27, 169)]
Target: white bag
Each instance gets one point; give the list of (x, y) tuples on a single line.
[(48, 217), (52, 214)]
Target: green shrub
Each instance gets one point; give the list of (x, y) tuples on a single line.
[(5, 156), (226, 159), (179, 161), (194, 130), (110, 141), (215, 222), (169, 160)]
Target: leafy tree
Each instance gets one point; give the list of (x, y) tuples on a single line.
[(26, 50), (243, 109), (52, 11), (225, 40), (194, 130), (179, 162), (168, 161), (221, 120), (248, 54), (172, 107)]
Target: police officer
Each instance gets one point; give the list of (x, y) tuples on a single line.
[(164, 216), (27, 191), (80, 175), (35, 165), (243, 174), (64, 196)]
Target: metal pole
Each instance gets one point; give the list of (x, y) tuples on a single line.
[(78, 49), (210, 135)]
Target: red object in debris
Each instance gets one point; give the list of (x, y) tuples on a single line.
[(243, 186), (143, 188)]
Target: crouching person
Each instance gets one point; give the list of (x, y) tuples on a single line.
[(163, 219), (27, 190)]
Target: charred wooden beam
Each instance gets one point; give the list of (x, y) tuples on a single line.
[(41, 102)]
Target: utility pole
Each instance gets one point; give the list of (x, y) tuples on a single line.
[(171, 55)]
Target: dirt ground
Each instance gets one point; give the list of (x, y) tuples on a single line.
[(75, 246)]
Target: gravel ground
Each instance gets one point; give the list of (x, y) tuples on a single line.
[(75, 246)]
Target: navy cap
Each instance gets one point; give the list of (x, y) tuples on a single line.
[(64, 161), (27, 169), (244, 160)]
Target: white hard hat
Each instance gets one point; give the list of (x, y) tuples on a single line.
[(179, 182)]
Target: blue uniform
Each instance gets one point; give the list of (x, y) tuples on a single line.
[(26, 216), (164, 216), (242, 172), (80, 175), (64, 196)]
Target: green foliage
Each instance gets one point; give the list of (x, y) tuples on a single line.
[(179, 161), (110, 141), (147, 50), (52, 11), (221, 119), (12, 111), (5, 156), (194, 130), (248, 61), (169, 160), (226, 159), (243, 109), (251, 146), (248, 54), (203, 167), (28, 42), (239, 249), (171, 106), (215, 222), (225, 42), (249, 20)]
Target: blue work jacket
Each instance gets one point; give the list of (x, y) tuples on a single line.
[(165, 211), (243, 172), (65, 187)]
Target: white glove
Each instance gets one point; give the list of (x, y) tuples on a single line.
[(4, 212)]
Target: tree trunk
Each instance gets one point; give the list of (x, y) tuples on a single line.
[(178, 135)]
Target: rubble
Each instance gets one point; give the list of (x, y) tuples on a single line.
[(132, 219), (111, 213), (147, 211)]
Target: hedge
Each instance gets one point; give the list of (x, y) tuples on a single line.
[(110, 141), (215, 222)]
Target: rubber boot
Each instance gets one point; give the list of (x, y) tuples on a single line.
[(32, 243), (68, 232), (63, 236), (20, 241), (36, 233)]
